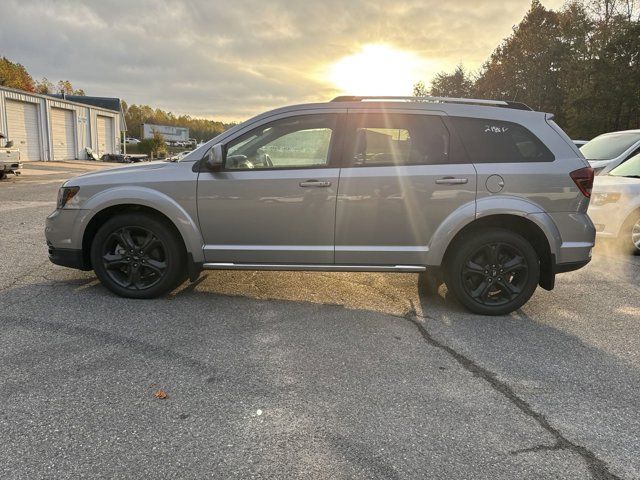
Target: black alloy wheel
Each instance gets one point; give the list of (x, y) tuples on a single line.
[(137, 255), (495, 274), (134, 258), (492, 271)]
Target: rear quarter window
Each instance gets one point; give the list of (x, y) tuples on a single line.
[(494, 141)]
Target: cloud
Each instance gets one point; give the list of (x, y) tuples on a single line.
[(233, 59)]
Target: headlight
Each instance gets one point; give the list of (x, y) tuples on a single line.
[(602, 198), (65, 195)]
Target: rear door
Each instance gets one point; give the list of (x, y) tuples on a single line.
[(404, 174), (274, 202)]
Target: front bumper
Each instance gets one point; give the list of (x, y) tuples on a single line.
[(63, 231), (9, 167)]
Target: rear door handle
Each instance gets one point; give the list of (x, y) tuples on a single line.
[(315, 183), (452, 181)]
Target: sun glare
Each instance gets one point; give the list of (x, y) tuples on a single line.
[(377, 69)]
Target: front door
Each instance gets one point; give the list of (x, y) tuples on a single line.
[(404, 174), (274, 202)]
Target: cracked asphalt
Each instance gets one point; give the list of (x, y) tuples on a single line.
[(307, 375)]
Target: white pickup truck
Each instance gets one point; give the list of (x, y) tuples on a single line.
[(9, 159)]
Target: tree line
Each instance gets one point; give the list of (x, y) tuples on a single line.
[(199, 128), (581, 62), (15, 75)]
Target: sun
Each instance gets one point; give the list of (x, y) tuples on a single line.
[(377, 69)]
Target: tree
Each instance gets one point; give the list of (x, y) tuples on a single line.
[(420, 90), (581, 63), (45, 87), (14, 75), (153, 146), (457, 84)]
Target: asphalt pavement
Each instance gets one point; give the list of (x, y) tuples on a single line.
[(307, 375)]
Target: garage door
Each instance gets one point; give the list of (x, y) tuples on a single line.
[(23, 128), (105, 135), (63, 134)]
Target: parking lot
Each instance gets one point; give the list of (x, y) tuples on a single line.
[(299, 375)]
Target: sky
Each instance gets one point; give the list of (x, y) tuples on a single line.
[(230, 60)]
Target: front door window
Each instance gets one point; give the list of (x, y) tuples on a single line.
[(293, 142)]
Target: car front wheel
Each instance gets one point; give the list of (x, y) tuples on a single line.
[(493, 272), (138, 256)]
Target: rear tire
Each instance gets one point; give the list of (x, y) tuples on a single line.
[(630, 237), (138, 256), (493, 271)]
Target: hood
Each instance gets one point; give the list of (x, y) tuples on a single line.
[(117, 174)]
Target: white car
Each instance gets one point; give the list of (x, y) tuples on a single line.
[(131, 141), (609, 150), (615, 204)]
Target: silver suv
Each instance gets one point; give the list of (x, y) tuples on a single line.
[(492, 192)]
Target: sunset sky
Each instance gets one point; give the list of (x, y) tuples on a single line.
[(231, 60)]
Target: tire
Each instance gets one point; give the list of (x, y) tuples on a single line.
[(629, 238), (492, 271), (154, 262)]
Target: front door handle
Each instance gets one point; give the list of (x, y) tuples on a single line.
[(452, 181), (315, 183)]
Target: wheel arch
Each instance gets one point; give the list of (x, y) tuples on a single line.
[(501, 211), (113, 202)]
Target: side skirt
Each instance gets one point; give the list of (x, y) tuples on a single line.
[(314, 267)]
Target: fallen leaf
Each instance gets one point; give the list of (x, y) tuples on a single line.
[(161, 394)]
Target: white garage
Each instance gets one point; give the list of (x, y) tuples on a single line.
[(105, 135), (60, 127), (23, 127), (63, 134)]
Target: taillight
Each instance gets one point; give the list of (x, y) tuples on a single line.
[(583, 178)]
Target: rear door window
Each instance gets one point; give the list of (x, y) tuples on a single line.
[(493, 141), (396, 139)]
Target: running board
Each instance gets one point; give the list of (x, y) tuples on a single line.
[(316, 267)]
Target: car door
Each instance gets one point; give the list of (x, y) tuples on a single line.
[(404, 174), (274, 201)]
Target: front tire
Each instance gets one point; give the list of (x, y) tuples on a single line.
[(493, 272), (138, 256)]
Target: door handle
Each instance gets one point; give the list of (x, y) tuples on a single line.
[(315, 183), (452, 181)]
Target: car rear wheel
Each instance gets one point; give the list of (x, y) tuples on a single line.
[(138, 256), (493, 272), (631, 234)]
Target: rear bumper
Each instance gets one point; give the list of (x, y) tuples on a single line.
[(68, 258), (570, 267)]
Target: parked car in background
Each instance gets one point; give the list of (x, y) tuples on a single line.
[(131, 141), (615, 204), (180, 156), (580, 143), (9, 159), (492, 193), (611, 149)]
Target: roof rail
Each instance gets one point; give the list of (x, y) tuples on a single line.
[(472, 101)]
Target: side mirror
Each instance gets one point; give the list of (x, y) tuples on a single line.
[(215, 158)]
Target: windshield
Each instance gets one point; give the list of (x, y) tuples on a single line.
[(630, 168), (609, 145)]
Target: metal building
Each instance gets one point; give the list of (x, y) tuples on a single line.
[(53, 127)]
